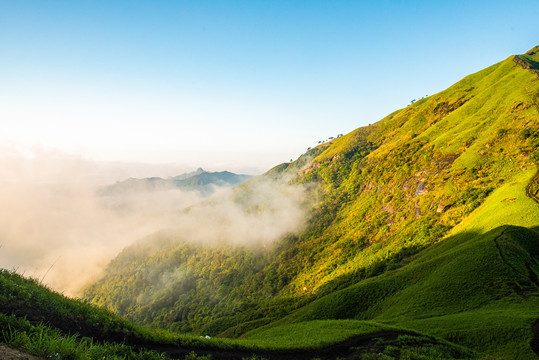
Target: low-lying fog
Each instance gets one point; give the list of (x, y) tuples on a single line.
[(54, 226)]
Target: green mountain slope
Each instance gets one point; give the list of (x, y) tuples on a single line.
[(491, 276), (410, 227), (478, 287)]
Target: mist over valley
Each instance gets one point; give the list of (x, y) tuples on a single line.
[(61, 225)]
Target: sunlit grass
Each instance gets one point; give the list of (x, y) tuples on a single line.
[(313, 334)]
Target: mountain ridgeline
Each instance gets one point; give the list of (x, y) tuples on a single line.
[(201, 181), (426, 220)]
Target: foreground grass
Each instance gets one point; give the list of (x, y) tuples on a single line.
[(41, 322), (501, 329), (45, 323), (313, 334), (41, 340), (386, 342)]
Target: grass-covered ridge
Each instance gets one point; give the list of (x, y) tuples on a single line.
[(421, 220)]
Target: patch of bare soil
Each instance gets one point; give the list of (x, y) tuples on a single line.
[(7, 353)]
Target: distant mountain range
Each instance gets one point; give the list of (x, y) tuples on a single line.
[(200, 180)]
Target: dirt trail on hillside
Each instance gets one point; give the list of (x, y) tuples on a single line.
[(7, 353), (348, 349)]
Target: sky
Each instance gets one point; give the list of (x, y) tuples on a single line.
[(232, 85)]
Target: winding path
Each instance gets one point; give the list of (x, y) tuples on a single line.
[(8, 353), (348, 349)]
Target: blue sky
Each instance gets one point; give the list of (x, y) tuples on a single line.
[(242, 85)]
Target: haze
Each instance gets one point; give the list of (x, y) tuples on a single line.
[(55, 228)]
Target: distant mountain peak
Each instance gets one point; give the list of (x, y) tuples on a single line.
[(200, 180)]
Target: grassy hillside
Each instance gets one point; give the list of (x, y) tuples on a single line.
[(410, 228), (482, 292), (478, 287), (43, 323), (48, 324)]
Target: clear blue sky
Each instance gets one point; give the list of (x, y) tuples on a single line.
[(240, 84)]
